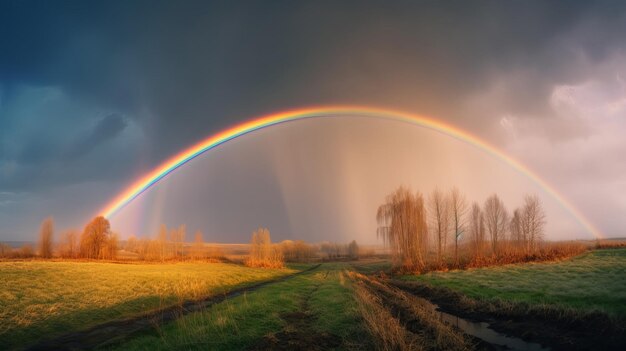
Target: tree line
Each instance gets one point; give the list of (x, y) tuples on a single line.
[(430, 231), (98, 242)]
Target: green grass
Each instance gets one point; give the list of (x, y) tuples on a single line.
[(39, 298), (595, 280), (372, 266), (240, 322)]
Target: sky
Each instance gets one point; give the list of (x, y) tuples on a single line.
[(95, 94)]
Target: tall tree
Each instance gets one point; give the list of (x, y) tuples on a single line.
[(515, 228), (45, 237), (533, 221), (458, 210), (94, 238), (477, 229), (69, 244), (402, 224), (496, 218), (439, 211)]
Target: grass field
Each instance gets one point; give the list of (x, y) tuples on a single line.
[(311, 311), (595, 280), (39, 298)]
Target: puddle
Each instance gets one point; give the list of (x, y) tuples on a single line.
[(482, 331)]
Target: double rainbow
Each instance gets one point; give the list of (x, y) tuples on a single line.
[(141, 185)]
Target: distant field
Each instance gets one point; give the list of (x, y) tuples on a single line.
[(315, 310), (47, 298), (595, 280)]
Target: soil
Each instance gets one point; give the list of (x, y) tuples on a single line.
[(298, 333), (415, 325), (116, 332), (551, 328)]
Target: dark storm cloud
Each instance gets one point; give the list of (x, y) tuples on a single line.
[(197, 66), (106, 129), (178, 71)]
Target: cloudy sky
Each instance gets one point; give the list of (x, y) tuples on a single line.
[(95, 94)]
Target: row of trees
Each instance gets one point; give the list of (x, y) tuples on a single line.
[(416, 228), (337, 251), (265, 254), (97, 241)]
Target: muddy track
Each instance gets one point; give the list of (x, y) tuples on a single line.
[(419, 321), (551, 328), (298, 333), (118, 331)]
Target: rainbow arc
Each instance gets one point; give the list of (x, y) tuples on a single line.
[(145, 182)]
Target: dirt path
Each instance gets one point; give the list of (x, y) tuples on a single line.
[(550, 327), (298, 334), (116, 332)]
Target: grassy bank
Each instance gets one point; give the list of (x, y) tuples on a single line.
[(594, 280), (315, 310), (39, 298)]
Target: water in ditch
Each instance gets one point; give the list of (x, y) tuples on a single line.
[(482, 331)]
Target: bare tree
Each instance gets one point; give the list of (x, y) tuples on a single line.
[(300, 251), (439, 211), (533, 222), (109, 249), (515, 228), (132, 244), (477, 229), (458, 210), (45, 237), (177, 237), (496, 218), (94, 237), (69, 247), (262, 253), (402, 224)]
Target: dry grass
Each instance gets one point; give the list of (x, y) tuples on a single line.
[(509, 253), (386, 330), (609, 244), (399, 321)]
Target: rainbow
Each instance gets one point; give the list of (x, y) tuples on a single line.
[(145, 182)]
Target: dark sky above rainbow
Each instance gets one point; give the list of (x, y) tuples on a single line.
[(94, 95)]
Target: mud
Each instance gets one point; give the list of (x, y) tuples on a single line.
[(116, 332), (549, 327), (424, 325), (298, 333)]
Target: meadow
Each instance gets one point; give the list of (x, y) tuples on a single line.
[(595, 280), (47, 298), (347, 305), (315, 310)]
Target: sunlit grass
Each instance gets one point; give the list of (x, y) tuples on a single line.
[(595, 280), (46, 298)]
